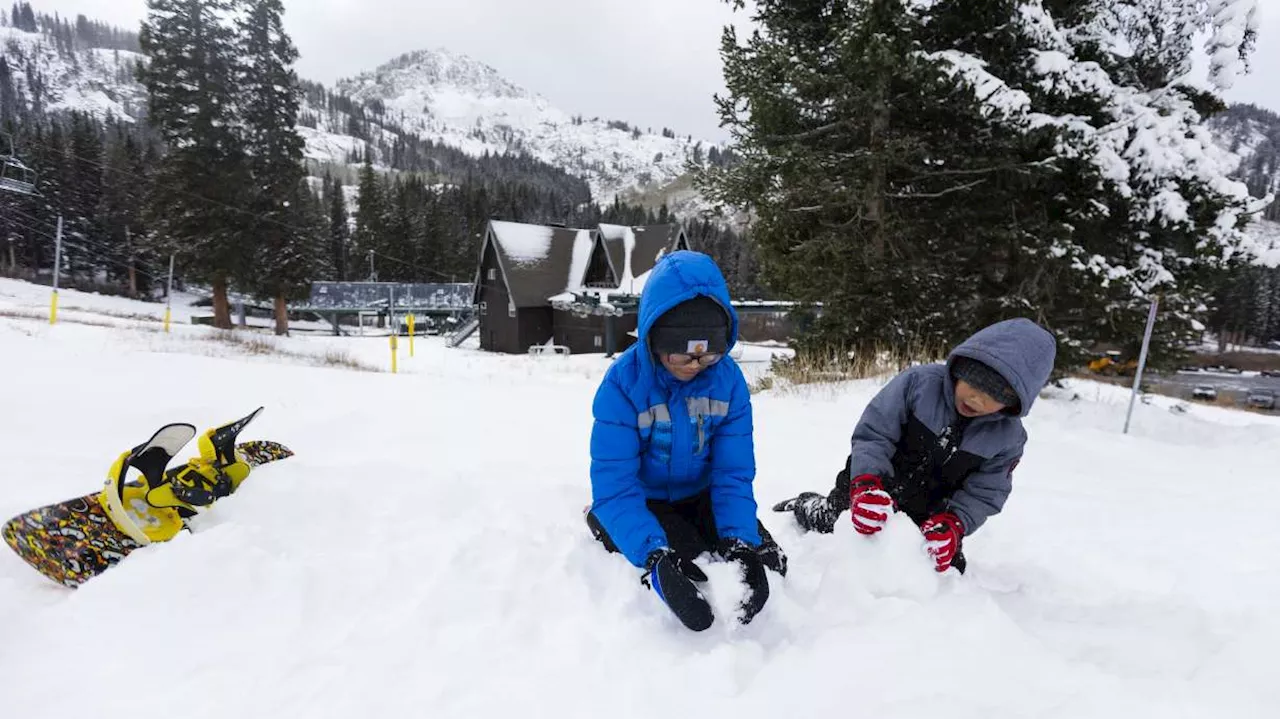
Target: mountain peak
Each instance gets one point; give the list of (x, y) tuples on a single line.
[(433, 68)]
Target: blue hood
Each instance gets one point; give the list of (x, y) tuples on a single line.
[(1022, 352), (680, 276)]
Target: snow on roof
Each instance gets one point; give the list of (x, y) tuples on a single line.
[(523, 243), (633, 251), (582, 246), (613, 232)]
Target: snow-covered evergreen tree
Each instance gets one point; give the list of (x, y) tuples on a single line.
[(924, 167), (1159, 214), (196, 206), (285, 251)]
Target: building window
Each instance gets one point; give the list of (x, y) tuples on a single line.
[(511, 310), (493, 273), (599, 341), (484, 308)]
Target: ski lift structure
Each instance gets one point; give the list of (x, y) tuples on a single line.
[(14, 175)]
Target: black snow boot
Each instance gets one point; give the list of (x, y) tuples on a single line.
[(812, 512)]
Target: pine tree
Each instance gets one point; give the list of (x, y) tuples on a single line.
[(83, 194), (270, 98), (121, 207), (339, 230), (8, 96), (922, 168), (195, 206), (877, 180), (370, 217)]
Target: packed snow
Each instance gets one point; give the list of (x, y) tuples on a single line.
[(424, 552)]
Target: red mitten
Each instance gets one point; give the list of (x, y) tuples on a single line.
[(943, 533), (869, 504)]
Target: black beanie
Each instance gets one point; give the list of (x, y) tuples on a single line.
[(694, 326), (983, 377)]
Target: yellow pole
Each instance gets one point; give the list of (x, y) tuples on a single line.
[(57, 271), (168, 296), (410, 334), (393, 354)]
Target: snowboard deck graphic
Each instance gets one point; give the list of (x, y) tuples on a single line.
[(74, 541)]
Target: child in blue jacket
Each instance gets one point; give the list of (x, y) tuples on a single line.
[(672, 456)]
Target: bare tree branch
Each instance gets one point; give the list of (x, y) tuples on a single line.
[(984, 170), (934, 195), (808, 134)]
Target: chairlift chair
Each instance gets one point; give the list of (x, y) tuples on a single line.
[(15, 176)]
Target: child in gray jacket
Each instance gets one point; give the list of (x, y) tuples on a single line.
[(940, 442)]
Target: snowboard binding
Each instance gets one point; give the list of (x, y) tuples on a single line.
[(157, 506)]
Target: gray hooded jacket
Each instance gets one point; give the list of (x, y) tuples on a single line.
[(933, 460)]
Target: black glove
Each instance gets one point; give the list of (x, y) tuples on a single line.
[(665, 574), (688, 568), (736, 550), (812, 512)]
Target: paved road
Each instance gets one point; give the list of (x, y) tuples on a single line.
[(1233, 387)]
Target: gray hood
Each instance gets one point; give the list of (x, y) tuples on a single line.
[(1022, 352)]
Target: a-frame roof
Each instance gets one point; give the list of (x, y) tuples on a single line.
[(633, 251), (537, 261)]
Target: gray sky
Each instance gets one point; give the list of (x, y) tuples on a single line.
[(654, 63)]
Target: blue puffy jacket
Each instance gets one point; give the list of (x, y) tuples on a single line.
[(656, 437)]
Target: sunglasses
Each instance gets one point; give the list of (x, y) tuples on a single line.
[(684, 360)]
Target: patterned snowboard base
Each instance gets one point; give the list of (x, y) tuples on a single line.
[(74, 541)]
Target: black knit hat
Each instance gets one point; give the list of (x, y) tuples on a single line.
[(694, 326), (983, 377)]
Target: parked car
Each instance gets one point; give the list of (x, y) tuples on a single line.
[(1261, 399), (1205, 392)]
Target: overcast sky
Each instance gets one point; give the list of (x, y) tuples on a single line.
[(654, 63)]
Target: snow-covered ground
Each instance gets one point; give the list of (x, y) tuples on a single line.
[(424, 553)]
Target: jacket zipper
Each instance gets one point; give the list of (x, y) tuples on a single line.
[(701, 438)]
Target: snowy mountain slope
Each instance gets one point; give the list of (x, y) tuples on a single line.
[(429, 557), (437, 95), (1253, 134), (99, 82), (453, 99)]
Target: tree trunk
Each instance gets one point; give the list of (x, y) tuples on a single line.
[(221, 307), (282, 315), (133, 270), (879, 167)]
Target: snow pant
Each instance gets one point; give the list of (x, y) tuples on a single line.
[(691, 530)]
